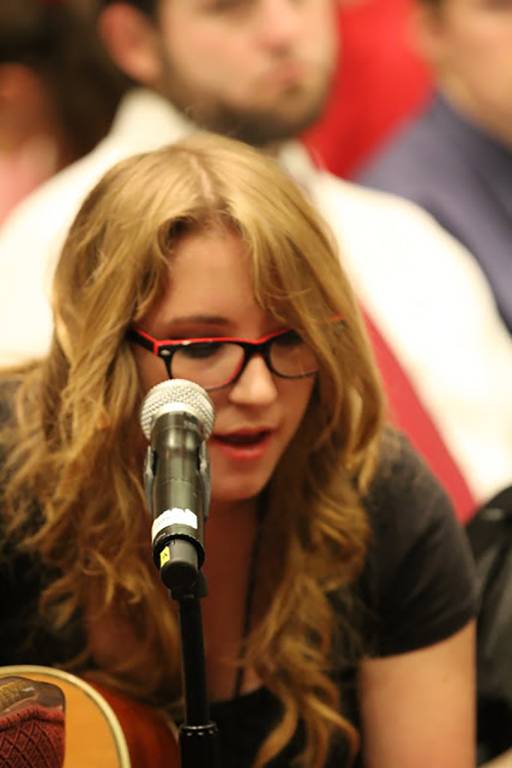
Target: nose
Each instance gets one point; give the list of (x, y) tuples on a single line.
[(279, 22), (256, 385)]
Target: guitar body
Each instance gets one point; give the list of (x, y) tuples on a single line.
[(103, 729)]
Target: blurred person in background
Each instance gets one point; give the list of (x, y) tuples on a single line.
[(362, 111), (455, 157), (58, 92), (261, 72)]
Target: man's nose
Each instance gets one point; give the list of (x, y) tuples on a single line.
[(256, 385), (278, 21)]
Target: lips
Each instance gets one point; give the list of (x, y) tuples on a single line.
[(244, 447)]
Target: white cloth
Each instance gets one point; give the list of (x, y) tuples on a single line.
[(423, 290)]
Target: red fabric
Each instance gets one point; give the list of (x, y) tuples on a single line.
[(32, 737), (380, 80), (411, 417)]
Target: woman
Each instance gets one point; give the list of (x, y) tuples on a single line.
[(339, 615)]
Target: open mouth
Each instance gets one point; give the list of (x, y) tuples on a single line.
[(243, 439)]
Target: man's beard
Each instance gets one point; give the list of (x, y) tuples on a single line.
[(258, 127)]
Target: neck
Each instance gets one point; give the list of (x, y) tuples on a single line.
[(229, 569), (496, 126), (229, 534), (228, 510), (273, 148)]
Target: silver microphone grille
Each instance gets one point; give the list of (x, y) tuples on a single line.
[(174, 392)]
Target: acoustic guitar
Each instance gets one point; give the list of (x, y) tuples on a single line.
[(102, 729)]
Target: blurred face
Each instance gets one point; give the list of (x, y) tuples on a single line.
[(470, 44), (27, 109), (259, 70), (210, 295)]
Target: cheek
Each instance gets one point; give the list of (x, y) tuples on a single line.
[(322, 32), (478, 40), (318, 36), (296, 395), (151, 369), (483, 64), (220, 50)]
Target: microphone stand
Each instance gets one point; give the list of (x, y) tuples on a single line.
[(178, 552), (198, 735)]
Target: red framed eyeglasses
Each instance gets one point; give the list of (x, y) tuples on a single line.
[(217, 362)]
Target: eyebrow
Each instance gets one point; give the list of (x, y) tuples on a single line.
[(200, 319)]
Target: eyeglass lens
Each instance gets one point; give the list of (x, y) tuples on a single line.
[(213, 365)]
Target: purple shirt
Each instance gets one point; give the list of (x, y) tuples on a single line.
[(463, 177)]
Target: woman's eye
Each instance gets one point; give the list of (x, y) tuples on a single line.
[(201, 350), (290, 339)]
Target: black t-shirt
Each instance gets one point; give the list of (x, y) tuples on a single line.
[(417, 588)]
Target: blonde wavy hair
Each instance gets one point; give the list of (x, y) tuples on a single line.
[(70, 443)]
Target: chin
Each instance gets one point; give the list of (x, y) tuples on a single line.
[(300, 106), (237, 490), (284, 117), (276, 128), (240, 492)]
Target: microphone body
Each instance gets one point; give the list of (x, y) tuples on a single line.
[(177, 418)]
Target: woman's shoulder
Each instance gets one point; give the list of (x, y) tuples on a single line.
[(419, 577), (403, 476), (405, 502)]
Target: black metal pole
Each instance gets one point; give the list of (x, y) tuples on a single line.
[(198, 735)]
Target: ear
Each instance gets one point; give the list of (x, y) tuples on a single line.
[(426, 25), (133, 42)]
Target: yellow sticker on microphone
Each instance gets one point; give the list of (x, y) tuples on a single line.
[(165, 556)]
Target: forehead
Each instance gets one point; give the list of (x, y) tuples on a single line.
[(209, 274), (212, 254)]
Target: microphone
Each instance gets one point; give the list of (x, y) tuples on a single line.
[(177, 418)]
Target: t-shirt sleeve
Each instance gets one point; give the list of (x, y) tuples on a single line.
[(420, 576)]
